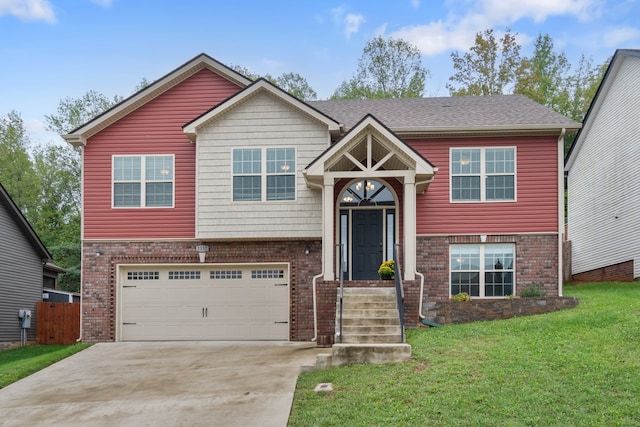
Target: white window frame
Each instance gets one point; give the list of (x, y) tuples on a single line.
[(483, 175), (143, 181), (264, 174), (481, 271)]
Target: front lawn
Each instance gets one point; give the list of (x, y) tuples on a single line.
[(17, 363), (576, 367)]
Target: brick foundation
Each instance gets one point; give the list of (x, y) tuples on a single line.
[(99, 285), (622, 272), (536, 262)]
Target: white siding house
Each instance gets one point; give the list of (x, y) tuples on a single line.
[(603, 173)]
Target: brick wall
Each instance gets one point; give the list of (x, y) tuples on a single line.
[(536, 261), (449, 312), (536, 264), (99, 276), (622, 272)]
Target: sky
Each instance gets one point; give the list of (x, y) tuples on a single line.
[(51, 50)]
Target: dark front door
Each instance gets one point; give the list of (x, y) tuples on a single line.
[(366, 244)]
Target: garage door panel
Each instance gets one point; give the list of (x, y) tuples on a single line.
[(221, 305)]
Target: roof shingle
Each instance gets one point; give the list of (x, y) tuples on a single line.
[(509, 111)]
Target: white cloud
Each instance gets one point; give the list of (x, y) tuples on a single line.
[(468, 17), (616, 37), (37, 132), (415, 4), (28, 10), (350, 21), (540, 10), (352, 24)]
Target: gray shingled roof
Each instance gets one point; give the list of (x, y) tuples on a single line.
[(466, 112)]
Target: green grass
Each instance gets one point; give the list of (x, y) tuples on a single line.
[(20, 362), (576, 367)]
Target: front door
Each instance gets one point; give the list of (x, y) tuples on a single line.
[(367, 244)]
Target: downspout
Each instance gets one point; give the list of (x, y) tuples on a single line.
[(423, 318), (315, 279), (560, 210), (81, 235)]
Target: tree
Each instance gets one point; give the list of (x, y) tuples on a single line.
[(544, 75), (292, 83), (58, 171), (296, 85), (489, 68), (388, 68), (581, 87), (16, 169), (73, 113)]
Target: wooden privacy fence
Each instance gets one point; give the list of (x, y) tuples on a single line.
[(58, 322)]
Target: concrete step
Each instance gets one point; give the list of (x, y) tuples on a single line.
[(368, 305), (346, 354), (370, 339), (371, 330), (370, 321), (367, 313), (368, 291)]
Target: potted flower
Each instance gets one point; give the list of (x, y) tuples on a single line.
[(387, 270)]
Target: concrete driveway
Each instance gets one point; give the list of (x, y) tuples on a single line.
[(162, 384)]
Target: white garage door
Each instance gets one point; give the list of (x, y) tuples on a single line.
[(241, 302)]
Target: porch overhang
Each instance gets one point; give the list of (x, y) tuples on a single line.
[(369, 150)]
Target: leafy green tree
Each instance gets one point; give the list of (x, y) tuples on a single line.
[(73, 113), (296, 85), (490, 67), (388, 68), (544, 76), (58, 170), (16, 169), (581, 87), (292, 83), (58, 217)]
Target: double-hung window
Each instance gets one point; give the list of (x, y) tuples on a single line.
[(143, 181), (483, 174), (264, 174), (482, 270)]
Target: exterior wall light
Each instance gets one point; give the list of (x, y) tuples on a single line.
[(307, 250), (202, 251)]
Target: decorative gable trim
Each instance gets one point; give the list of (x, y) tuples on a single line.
[(78, 137), (372, 149), (259, 86)]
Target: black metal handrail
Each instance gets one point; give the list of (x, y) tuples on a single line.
[(341, 269), (399, 289)]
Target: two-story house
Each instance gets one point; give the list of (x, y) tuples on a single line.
[(219, 208)]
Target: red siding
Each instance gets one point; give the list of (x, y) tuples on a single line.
[(536, 208), (154, 128)]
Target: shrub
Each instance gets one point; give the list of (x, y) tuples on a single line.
[(532, 291), (387, 270), (462, 296)]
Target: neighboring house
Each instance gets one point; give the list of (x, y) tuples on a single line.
[(213, 207), (604, 204), (22, 257)]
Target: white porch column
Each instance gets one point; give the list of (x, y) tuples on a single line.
[(328, 216), (409, 217)]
